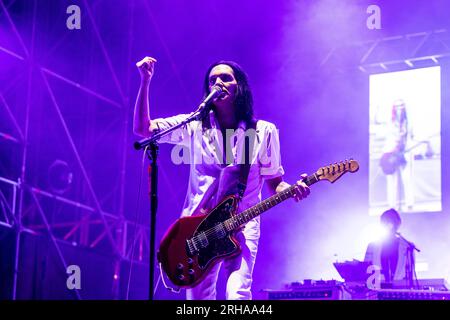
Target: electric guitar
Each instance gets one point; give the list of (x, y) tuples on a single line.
[(393, 160), (192, 245)]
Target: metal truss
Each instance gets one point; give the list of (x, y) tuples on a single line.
[(391, 53), (22, 204)]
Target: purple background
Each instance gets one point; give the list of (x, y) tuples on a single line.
[(320, 106)]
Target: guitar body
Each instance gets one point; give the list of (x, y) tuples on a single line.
[(192, 245), (185, 263), (390, 162)]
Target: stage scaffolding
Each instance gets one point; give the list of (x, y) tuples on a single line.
[(28, 208), (394, 53)]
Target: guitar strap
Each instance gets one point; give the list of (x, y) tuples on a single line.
[(244, 168)]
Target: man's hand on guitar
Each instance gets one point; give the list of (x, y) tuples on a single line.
[(301, 191)]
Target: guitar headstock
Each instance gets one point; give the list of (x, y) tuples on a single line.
[(335, 171)]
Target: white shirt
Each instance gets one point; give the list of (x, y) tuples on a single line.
[(210, 179), (373, 255)]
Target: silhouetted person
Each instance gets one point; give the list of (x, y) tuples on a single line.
[(391, 252)]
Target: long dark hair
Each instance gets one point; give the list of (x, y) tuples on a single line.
[(243, 102), (403, 116)]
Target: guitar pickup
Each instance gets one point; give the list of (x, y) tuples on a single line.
[(203, 239), (191, 248), (197, 242)]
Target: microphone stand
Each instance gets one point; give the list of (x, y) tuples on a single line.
[(152, 144), (198, 114), (410, 264)]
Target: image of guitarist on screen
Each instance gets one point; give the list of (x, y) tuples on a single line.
[(216, 145), (397, 161)]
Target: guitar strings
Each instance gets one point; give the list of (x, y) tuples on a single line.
[(212, 233)]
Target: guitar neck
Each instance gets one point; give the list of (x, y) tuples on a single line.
[(245, 216)]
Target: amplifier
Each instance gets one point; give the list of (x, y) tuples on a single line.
[(326, 291), (393, 294), (422, 284)]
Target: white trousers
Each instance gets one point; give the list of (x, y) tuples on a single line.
[(239, 271), (401, 180)]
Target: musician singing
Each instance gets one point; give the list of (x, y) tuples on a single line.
[(215, 147)]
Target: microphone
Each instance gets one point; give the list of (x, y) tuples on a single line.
[(409, 243), (216, 91)]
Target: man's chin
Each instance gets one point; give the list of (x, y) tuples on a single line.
[(223, 101), (223, 97)]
